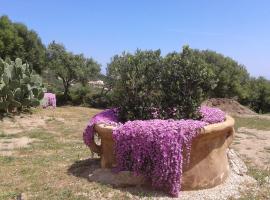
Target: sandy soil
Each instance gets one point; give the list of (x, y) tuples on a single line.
[(19, 124), (253, 145)]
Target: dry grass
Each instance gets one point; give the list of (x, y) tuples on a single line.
[(252, 122), (58, 165)]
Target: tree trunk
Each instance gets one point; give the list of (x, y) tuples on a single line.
[(66, 90)]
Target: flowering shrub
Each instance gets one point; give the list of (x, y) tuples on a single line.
[(49, 99), (154, 148)]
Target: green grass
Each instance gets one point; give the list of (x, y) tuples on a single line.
[(5, 136), (2, 135), (6, 160), (253, 123)]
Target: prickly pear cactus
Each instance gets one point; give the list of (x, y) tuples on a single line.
[(20, 87)]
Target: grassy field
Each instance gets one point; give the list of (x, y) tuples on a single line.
[(57, 164), (254, 123)]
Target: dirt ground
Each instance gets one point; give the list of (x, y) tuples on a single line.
[(254, 146), (42, 156)]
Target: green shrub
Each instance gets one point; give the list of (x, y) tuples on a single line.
[(100, 100), (20, 87), (186, 80), (135, 83), (80, 95), (145, 82), (61, 99)]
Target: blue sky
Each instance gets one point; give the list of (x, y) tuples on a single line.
[(100, 29)]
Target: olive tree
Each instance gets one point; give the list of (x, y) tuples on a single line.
[(70, 68)]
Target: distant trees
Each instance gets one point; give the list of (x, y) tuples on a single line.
[(70, 68), (231, 78), (61, 68), (233, 81), (17, 41), (259, 95)]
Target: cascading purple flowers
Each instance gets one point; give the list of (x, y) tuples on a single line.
[(108, 116), (49, 99), (154, 148)]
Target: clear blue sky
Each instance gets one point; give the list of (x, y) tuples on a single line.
[(100, 29)]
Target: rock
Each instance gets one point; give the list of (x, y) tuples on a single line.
[(121, 179), (236, 164)]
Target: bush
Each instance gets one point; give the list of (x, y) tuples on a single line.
[(61, 99), (186, 81), (145, 85), (136, 83), (259, 95), (80, 95), (100, 100)]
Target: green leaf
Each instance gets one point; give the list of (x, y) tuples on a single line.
[(4, 105), (35, 102), (14, 84), (40, 95), (15, 103)]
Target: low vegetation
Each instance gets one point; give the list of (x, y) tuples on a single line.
[(253, 122)]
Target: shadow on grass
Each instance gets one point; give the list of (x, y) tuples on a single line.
[(84, 168)]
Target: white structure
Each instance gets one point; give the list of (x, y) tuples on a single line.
[(98, 83)]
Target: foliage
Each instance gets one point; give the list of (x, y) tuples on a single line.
[(70, 68), (100, 100), (259, 95), (135, 80), (153, 149), (80, 95), (51, 82), (145, 82), (17, 41), (233, 81), (20, 87), (232, 78), (186, 80)]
